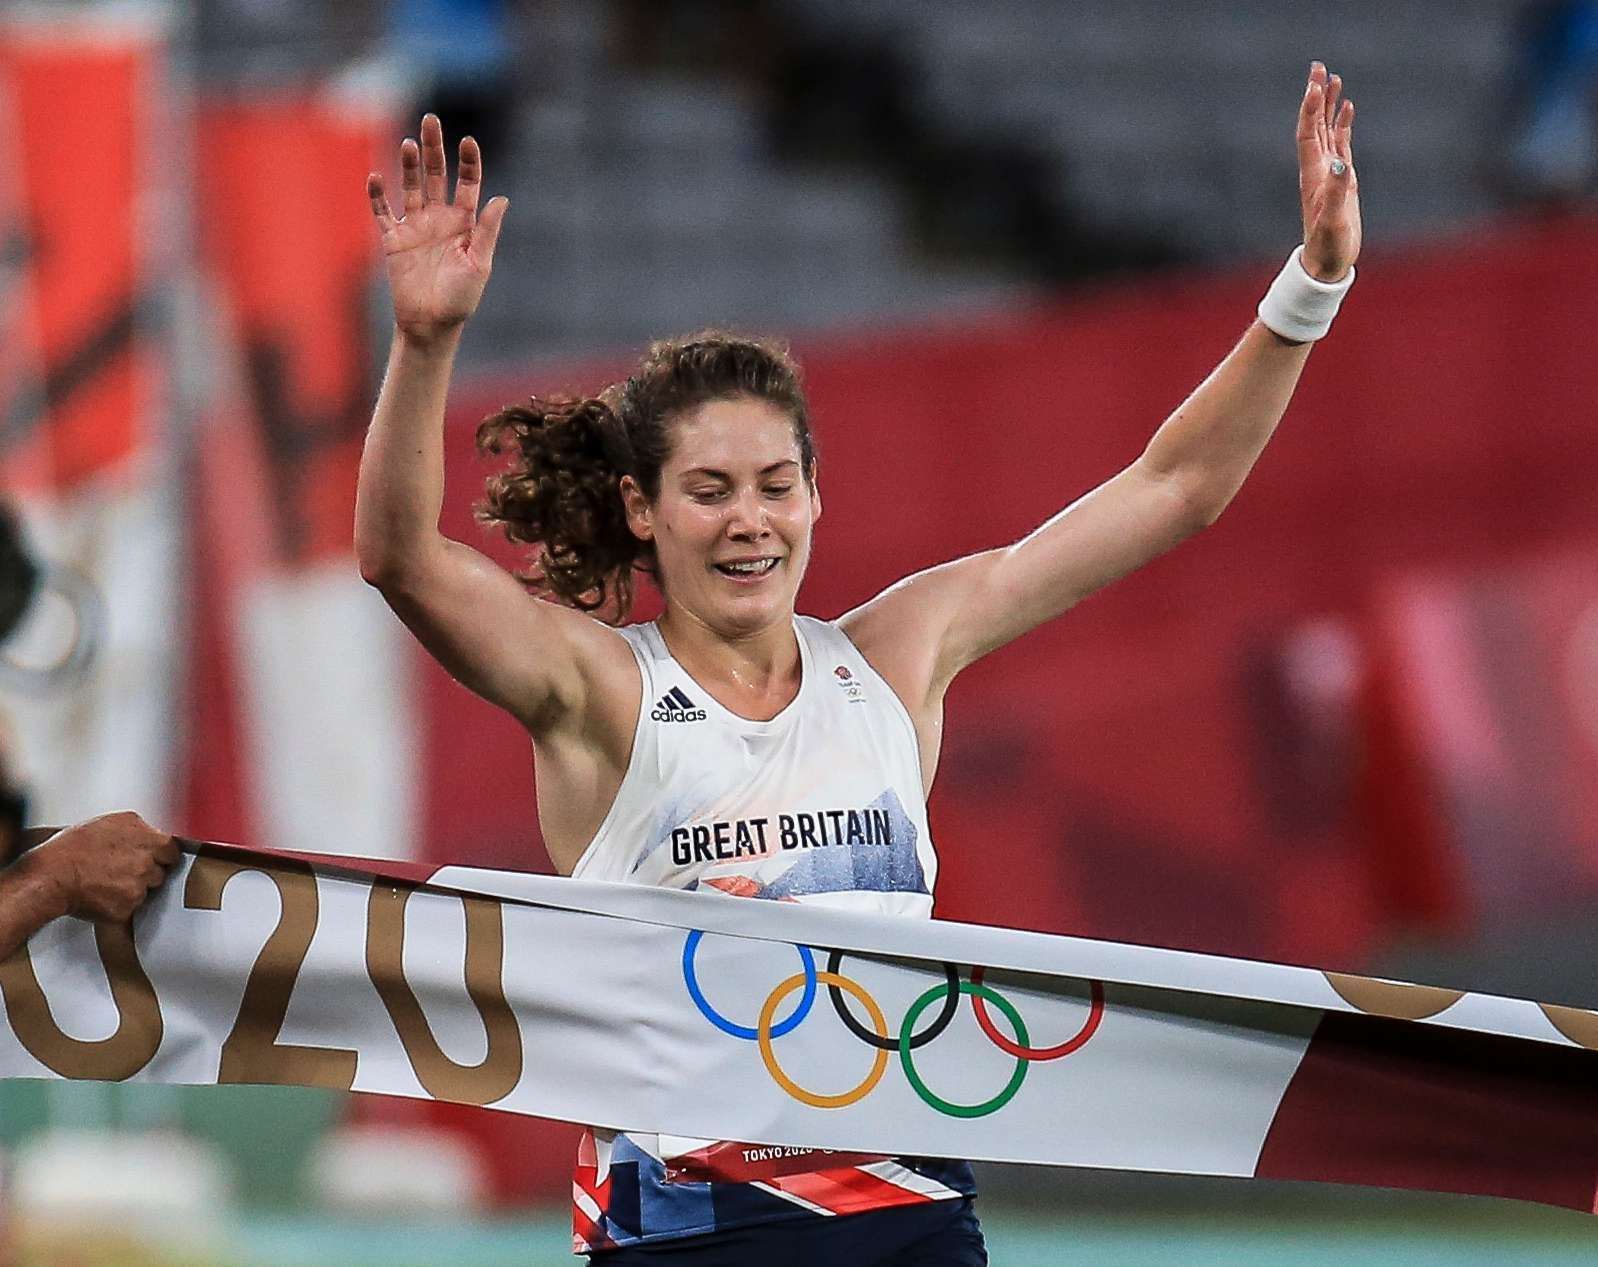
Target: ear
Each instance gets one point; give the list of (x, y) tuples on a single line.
[(815, 497), (639, 514)]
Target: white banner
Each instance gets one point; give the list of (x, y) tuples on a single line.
[(783, 1024)]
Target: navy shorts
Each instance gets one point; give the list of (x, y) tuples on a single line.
[(937, 1234)]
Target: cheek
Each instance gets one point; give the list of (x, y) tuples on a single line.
[(691, 526), (798, 528)]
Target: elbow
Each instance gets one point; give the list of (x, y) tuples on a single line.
[(384, 573), (380, 568), (376, 565), (1196, 503), (373, 554), (374, 572), (381, 554), (1200, 513), (396, 566)]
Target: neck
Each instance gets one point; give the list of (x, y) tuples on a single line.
[(758, 661)]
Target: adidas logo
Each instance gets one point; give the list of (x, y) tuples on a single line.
[(675, 705)]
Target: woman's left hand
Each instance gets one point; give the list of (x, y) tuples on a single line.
[(1328, 190)]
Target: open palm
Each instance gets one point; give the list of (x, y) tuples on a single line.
[(439, 254), (1328, 189)]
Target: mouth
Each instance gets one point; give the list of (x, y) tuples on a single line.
[(747, 571)]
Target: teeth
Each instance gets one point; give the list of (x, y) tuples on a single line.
[(749, 569)]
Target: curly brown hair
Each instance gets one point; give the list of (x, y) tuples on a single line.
[(562, 491)]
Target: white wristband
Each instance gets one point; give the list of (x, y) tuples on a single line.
[(1298, 306)]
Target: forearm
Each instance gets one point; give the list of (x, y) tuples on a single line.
[(401, 488), (30, 897), (1207, 447)]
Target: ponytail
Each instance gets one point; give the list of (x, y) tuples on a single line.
[(563, 494)]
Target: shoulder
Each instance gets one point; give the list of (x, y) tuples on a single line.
[(902, 630), (884, 634)]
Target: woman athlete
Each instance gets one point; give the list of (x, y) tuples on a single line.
[(653, 742)]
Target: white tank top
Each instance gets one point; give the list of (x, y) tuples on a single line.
[(823, 803)]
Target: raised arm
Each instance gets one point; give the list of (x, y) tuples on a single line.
[(529, 657), (931, 625)]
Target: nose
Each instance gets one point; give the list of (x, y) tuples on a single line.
[(747, 518)]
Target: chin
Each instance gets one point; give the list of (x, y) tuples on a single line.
[(753, 612), (748, 615)]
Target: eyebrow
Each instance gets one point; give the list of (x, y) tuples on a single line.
[(723, 475)]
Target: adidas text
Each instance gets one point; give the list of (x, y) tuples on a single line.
[(678, 714)]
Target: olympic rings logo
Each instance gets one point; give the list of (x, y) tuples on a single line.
[(946, 996)]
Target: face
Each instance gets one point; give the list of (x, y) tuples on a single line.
[(733, 521)]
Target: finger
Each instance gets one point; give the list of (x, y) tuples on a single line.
[(380, 209), (486, 232), (1310, 107), (1317, 77), (411, 174), (1344, 139), (1308, 133), (434, 187), (153, 876), (469, 175), (167, 852), (1334, 90)]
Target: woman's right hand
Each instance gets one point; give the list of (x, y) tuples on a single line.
[(438, 256)]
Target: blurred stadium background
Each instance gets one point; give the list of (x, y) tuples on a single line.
[(1354, 725)]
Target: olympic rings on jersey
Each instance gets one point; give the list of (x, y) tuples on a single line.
[(879, 1037), (799, 1013), (1019, 1050), (883, 1039)]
